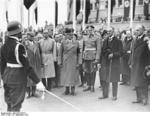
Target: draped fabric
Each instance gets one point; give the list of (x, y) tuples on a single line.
[(146, 9), (126, 9)]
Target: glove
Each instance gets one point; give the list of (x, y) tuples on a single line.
[(110, 56), (40, 86)]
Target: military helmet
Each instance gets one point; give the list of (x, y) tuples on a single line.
[(13, 28)]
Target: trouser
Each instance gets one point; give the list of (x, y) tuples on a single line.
[(14, 96), (125, 78), (57, 78), (83, 80), (105, 88), (31, 90), (91, 78), (142, 93), (47, 82)]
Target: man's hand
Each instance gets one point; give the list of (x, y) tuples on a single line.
[(110, 56), (129, 52), (40, 86)]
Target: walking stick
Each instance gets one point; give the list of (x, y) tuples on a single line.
[(109, 74), (66, 102)]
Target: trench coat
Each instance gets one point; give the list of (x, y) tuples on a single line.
[(34, 60), (47, 48), (140, 59), (110, 69), (125, 58), (69, 58)]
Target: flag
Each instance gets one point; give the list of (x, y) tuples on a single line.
[(28, 3), (77, 7), (56, 13), (146, 9), (113, 3), (134, 3), (6, 12), (70, 9), (36, 12), (87, 10), (126, 9)]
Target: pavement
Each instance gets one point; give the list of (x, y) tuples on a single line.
[(83, 101)]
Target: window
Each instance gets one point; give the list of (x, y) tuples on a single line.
[(140, 2), (119, 3)]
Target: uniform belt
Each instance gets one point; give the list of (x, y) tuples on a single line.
[(90, 48), (14, 65)]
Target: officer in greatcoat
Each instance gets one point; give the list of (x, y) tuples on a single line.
[(15, 68), (110, 64)]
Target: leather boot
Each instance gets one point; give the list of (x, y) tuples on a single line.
[(67, 91), (73, 90)]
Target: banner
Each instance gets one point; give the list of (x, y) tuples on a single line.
[(56, 13), (146, 9), (126, 9), (28, 3), (87, 10)]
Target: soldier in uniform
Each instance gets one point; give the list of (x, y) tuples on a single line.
[(91, 55), (140, 59), (110, 64), (15, 68)]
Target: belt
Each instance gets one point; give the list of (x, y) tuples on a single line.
[(14, 65), (90, 48)]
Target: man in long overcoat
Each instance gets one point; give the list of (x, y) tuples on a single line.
[(47, 48), (140, 59), (125, 69), (110, 64), (69, 59)]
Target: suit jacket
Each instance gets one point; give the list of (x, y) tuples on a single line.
[(110, 68), (140, 59)]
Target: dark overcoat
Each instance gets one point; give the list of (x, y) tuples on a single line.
[(140, 59), (125, 58), (110, 69)]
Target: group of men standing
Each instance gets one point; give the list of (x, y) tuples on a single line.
[(68, 58)]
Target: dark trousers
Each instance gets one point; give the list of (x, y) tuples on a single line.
[(82, 76), (125, 78), (142, 93), (105, 88), (57, 78), (48, 85), (14, 96), (91, 78)]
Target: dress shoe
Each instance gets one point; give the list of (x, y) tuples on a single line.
[(102, 97), (137, 101), (144, 102), (35, 95), (114, 98), (67, 92), (87, 89), (92, 89), (123, 83), (80, 85)]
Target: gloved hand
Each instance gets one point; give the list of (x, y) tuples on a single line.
[(40, 86)]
